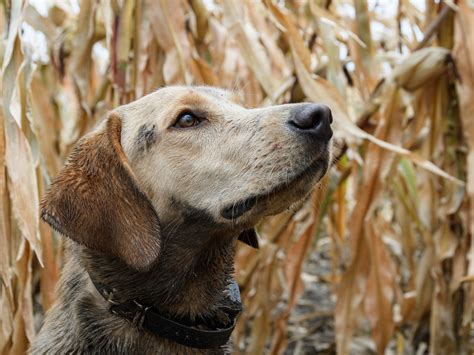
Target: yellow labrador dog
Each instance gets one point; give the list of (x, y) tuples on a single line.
[(152, 203)]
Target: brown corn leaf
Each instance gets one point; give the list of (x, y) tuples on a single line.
[(367, 72), (121, 46), (380, 290), (18, 155), (280, 67), (442, 340), (291, 33), (24, 331), (350, 291), (4, 244), (202, 24), (420, 67), (166, 18), (32, 17), (206, 73), (464, 56), (81, 51), (330, 19), (251, 49), (354, 280), (45, 120)]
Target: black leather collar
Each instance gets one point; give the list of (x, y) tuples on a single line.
[(181, 331)]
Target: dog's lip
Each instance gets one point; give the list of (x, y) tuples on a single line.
[(317, 165), (239, 208), (236, 210)]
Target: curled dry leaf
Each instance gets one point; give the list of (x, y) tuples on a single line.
[(421, 66)]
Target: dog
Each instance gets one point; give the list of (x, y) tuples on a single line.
[(153, 202)]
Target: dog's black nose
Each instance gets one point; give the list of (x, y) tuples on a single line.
[(312, 118)]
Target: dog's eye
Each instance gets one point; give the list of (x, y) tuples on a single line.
[(187, 120)]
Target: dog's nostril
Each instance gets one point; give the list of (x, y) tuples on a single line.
[(311, 117)]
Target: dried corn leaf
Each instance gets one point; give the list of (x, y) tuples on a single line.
[(82, 43), (165, 18), (380, 291), (464, 54), (18, 156), (292, 34), (251, 49), (420, 67)]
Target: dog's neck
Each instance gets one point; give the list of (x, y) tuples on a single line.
[(188, 280), (185, 283)]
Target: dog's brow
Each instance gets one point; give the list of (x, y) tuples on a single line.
[(192, 98)]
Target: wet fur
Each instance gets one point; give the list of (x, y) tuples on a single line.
[(80, 322)]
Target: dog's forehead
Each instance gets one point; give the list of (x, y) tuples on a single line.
[(203, 92), (217, 93), (208, 93)]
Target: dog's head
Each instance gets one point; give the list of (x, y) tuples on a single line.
[(186, 160)]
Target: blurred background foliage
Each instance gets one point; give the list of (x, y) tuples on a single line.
[(388, 235)]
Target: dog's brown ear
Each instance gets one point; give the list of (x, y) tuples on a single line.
[(249, 237), (96, 202)]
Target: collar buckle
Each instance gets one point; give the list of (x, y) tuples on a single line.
[(133, 311)]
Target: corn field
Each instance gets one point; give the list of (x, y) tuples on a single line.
[(395, 214)]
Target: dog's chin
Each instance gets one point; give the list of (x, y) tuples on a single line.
[(290, 196), (280, 197), (302, 182)]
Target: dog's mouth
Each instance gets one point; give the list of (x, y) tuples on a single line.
[(235, 210)]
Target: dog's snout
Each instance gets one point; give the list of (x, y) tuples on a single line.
[(312, 118)]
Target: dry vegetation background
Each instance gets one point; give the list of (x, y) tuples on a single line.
[(395, 214)]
